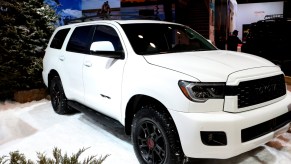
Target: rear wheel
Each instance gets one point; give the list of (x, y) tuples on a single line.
[(155, 138), (58, 97)]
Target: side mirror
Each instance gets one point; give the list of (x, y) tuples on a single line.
[(105, 49), (102, 46)]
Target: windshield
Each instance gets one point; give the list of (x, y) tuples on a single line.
[(148, 39)]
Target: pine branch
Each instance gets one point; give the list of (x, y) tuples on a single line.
[(59, 158)]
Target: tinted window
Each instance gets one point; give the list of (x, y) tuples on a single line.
[(107, 33), (79, 40), (59, 38), (164, 38)]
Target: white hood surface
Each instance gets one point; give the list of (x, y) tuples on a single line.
[(208, 66)]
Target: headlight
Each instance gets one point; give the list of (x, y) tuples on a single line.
[(201, 92)]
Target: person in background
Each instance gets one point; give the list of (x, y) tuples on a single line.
[(106, 10), (233, 41)]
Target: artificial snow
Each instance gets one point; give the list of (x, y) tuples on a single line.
[(34, 127)]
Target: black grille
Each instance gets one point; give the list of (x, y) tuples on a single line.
[(265, 127), (258, 91)]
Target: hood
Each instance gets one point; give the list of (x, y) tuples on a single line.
[(208, 66)]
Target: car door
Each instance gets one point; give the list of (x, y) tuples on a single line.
[(102, 74), (76, 49)]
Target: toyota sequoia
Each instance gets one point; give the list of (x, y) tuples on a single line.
[(175, 93)]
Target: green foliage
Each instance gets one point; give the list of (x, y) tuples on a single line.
[(58, 158), (25, 29)]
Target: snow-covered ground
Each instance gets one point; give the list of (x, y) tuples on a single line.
[(34, 127)]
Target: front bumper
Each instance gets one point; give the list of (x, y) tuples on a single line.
[(189, 126)]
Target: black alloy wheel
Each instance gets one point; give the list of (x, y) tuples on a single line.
[(154, 137), (151, 142)]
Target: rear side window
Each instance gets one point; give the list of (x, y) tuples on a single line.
[(80, 39), (59, 38)]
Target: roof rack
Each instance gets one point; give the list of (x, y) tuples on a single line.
[(109, 17), (273, 17)]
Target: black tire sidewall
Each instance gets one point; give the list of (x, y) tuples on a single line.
[(160, 120), (136, 133), (56, 81)]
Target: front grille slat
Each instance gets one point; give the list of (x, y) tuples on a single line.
[(258, 91)]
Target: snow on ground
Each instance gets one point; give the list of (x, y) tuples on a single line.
[(35, 127)]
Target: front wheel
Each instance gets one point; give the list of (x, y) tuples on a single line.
[(155, 138)]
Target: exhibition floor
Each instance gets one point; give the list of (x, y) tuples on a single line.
[(34, 127)]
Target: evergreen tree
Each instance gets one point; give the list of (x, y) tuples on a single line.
[(25, 29)]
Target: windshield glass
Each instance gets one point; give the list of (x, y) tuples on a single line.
[(148, 39)]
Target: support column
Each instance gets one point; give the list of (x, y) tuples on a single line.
[(221, 17)]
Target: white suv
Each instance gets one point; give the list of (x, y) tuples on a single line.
[(174, 92)]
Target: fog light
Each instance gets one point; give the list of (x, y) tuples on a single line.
[(213, 138)]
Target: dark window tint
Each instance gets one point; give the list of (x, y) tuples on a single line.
[(59, 38), (106, 33), (79, 40), (165, 38)]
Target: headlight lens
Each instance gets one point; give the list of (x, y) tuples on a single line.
[(201, 92)]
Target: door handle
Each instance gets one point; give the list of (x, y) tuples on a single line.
[(88, 64), (62, 58)]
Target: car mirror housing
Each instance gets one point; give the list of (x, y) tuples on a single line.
[(105, 49), (102, 46)]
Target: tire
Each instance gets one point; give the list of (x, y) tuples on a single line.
[(58, 97), (155, 138)]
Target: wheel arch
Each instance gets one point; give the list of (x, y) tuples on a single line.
[(135, 104)]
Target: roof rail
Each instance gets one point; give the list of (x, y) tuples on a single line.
[(273, 16), (109, 17)]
